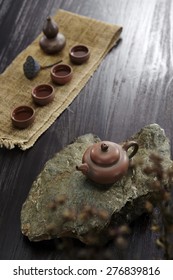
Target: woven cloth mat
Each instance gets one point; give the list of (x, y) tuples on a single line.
[(15, 88)]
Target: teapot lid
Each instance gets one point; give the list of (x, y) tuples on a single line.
[(105, 153)]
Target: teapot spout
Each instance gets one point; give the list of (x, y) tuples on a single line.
[(83, 167)]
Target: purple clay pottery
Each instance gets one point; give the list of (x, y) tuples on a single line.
[(79, 54), (43, 94), (61, 74), (22, 116), (52, 41), (106, 162)]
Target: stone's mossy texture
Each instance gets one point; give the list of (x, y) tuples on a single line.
[(63, 203)]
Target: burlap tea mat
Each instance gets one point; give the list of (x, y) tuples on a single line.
[(15, 88)]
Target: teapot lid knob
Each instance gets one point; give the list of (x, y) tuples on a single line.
[(104, 147)]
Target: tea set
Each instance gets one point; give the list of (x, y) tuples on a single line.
[(51, 42), (104, 162)]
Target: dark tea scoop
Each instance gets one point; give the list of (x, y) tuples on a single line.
[(31, 67)]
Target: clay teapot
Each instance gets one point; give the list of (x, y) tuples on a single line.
[(106, 162)]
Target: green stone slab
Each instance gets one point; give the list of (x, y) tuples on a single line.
[(63, 203)]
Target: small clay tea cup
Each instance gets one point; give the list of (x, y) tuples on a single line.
[(61, 74), (43, 94), (23, 116), (79, 54)]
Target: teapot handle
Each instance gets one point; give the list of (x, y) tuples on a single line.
[(129, 144)]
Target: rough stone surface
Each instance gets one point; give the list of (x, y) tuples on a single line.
[(63, 203)]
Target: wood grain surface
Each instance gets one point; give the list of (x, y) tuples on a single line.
[(131, 88)]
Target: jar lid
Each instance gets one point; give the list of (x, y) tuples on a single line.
[(105, 153)]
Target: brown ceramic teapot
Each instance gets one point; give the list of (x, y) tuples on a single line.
[(106, 162)]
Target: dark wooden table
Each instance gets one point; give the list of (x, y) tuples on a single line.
[(131, 88)]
